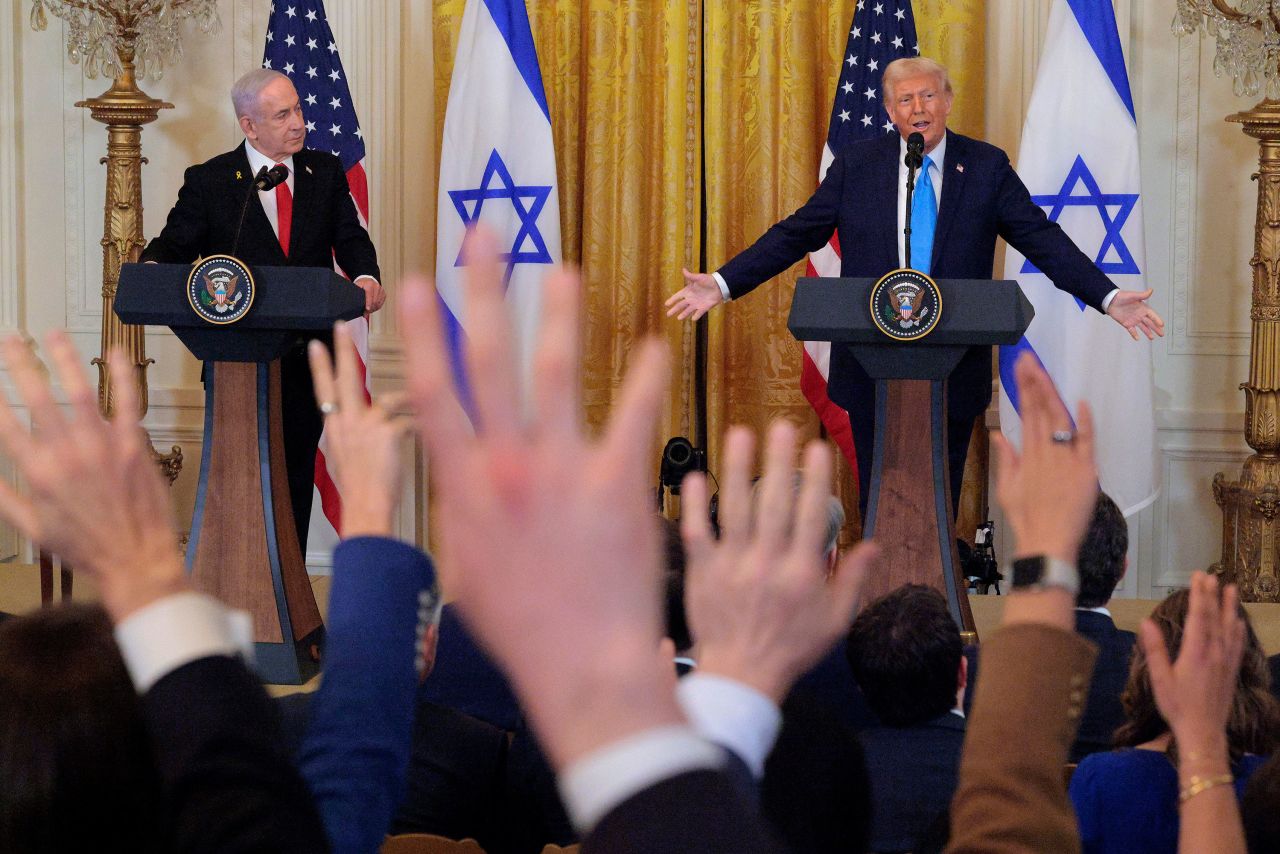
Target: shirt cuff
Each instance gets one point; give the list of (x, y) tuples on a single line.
[(370, 278), (724, 289), (733, 715), (177, 630), (1106, 301), (594, 785)]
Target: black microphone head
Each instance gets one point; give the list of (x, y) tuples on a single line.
[(268, 179), (915, 142)]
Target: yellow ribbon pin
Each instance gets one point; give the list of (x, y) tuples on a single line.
[(238, 175)]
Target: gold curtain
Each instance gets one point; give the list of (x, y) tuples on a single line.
[(625, 83)]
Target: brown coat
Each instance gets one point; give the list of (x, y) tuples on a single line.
[(1012, 794)]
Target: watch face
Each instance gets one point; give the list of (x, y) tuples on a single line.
[(1028, 571)]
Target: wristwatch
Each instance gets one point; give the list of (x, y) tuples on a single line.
[(1039, 572)]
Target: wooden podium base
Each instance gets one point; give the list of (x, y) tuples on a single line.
[(909, 510), (243, 547)]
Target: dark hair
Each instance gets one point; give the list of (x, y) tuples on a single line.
[(673, 586), (905, 652), (1254, 723), (1258, 807), (75, 762), (1102, 553)]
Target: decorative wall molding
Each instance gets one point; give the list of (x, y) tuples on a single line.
[(11, 230), (1171, 547)]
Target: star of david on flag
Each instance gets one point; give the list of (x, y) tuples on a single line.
[(497, 167), (1079, 159)]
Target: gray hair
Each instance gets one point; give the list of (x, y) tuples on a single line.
[(913, 66), (835, 512), (246, 91)]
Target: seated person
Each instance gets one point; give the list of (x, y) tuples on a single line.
[(1102, 563), (1143, 774), (906, 655)]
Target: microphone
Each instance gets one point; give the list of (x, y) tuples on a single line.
[(915, 150), (269, 179), (266, 179)]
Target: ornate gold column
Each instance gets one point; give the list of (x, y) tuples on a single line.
[(1250, 556), (124, 109)]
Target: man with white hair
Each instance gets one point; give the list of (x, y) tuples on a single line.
[(309, 220), (966, 195)]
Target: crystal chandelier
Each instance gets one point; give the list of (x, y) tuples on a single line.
[(1248, 36), (98, 30)]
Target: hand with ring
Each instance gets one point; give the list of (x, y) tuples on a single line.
[(362, 439)]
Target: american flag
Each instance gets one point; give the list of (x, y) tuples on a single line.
[(301, 45), (882, 31)]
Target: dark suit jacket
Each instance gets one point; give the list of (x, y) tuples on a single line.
[(324, 226), (698, 812), (982, 199), (225, 772), (1103, 712), (913, 773)]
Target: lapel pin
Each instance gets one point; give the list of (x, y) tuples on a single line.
[(308, 168), (960, 168), (238, 175)]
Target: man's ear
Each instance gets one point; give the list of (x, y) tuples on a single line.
[(246, 125)]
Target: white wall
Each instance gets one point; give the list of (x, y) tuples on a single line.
[(52, 186), (1199, 206)]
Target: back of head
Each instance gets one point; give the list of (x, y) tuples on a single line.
[(1254, 723), (1260, 807), (75, 766), (905, 652), (1102, 554)]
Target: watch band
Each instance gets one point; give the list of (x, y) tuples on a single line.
[(1040, 572)]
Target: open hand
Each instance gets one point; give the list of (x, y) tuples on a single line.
[(1130, 310), (94, 495), (759, 603), (700, 294)]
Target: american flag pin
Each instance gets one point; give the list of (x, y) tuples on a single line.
[(960, 167)]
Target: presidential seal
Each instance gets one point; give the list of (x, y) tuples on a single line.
[(220, 289), (906, 305)]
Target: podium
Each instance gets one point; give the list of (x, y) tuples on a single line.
[(909, 507), (243, 547)]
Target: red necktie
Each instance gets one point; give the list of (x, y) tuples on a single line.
[(284, 215)]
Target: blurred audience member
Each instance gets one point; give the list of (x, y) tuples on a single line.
[(1260, 808), (1102, 564), (906, 655), (1144, 776)]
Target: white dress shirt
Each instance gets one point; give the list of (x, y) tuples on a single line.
[(258, 160)]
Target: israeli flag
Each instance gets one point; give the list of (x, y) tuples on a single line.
[(497, 167), (1079, 159)]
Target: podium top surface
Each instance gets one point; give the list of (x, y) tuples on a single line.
[(287, 298), (975, 312)]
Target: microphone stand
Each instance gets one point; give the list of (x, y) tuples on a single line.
[(912, 165), (244, 208)]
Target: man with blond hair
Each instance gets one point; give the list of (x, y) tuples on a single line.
[(966, 195), (309, 220)]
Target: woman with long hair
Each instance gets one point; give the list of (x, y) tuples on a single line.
[(1127, 800)]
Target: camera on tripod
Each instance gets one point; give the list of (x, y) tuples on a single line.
[(981, 569)]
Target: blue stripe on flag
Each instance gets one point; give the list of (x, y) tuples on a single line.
[(1098, 22), (1009, 382), (512, 19), (456, 338)]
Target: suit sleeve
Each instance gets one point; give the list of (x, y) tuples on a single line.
[(356, 749), (786, 242), (698, 812), (1024, 226), (228, 780), (186, 230), (1034, 682), (352, 246)]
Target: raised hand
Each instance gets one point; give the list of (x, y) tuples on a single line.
[(1049, 489), (759, 602), (1130, 310), (549, 543), (93, 494), (699, 295), (363, 439)]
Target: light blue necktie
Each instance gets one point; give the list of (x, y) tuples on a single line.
[(924, 220)]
